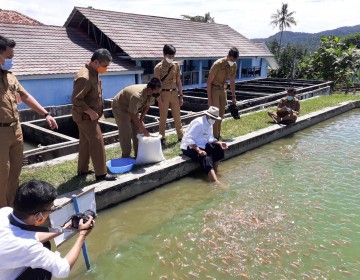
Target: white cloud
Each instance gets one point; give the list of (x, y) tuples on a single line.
[(249, 17)]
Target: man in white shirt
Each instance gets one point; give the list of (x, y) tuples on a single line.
[(23, 253), (200, 145)]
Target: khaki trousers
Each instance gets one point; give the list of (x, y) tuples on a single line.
[(91, 145), (219, 100), (127, 131), (170, 99), (11, 158)]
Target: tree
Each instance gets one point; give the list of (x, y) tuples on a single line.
[(334, 61), (283, 19), (207, 18), (286, 58)]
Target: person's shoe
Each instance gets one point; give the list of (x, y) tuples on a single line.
[(90, 171), (180, 139), (106, 177)]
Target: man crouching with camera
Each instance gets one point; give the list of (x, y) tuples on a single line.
[(23, 253)]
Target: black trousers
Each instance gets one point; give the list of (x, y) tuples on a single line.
[(36, 273), (214, 153)]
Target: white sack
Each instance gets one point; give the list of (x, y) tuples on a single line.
[(149, 149)]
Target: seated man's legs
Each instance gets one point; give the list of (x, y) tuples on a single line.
[(290, 118)]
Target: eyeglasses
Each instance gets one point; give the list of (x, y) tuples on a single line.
[(52, 209)]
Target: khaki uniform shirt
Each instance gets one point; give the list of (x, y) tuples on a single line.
[(133, 99), (293, 104), (162, 68), (223, 71), (87, 93), (9, 88)]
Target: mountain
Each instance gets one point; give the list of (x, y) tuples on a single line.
[(310, 41)]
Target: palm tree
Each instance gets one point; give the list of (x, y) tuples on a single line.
[(207, 18), (283, 19)]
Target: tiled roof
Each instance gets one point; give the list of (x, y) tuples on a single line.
[(143, 36), (54, 50), (14, 17)]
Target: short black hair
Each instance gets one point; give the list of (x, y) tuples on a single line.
[(5, 42), (234, 52), (101, 55), (291, 90), (31, 197), (169, 49), (154, 83)]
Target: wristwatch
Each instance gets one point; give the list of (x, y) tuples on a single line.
[(47, 114)]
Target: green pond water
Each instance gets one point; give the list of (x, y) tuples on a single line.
[(291, 211)]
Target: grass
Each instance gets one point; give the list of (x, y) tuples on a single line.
[(63, 175)]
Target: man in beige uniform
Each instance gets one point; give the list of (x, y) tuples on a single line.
[(11, 139), (288, 109), (168, 71), (222, 69), (129, 108), (87, 109)]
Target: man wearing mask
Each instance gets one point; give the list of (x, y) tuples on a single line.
[(168, 71), (288, 109), (87, 109), (24, 250), (11, 138), (200, 145), (129, 108), (222, 70)]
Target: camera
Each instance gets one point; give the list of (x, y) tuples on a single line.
[(75, 219)]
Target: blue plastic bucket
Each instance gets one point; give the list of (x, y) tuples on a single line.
[(120, 165)]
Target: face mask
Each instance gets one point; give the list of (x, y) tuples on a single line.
[(7, 64), (43, 219), (231, 63), (290, 97), (211, 121), (101, 69), (169, 60)]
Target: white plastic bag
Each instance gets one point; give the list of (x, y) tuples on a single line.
[(149, 149)]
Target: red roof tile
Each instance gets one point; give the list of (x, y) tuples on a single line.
[(14, 17), (143, 36), (42, 50)]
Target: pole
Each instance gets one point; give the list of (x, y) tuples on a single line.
[(84, 249)]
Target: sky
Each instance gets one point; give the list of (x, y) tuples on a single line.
[(251, 18)]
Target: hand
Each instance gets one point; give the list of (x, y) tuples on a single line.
[(202, 153), (52, 122), (146, 133), (223, 145), (93, 115), (181, 101), (234, 99), (85, 229)]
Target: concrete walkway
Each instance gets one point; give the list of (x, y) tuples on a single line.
[(147, 178)]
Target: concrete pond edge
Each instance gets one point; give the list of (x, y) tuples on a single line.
[(148, 177)]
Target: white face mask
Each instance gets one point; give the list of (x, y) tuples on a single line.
[(211, 121), (231, 63), (169, 60)]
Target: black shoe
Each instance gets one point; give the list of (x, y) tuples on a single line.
[(106, 177), (163, 141), (90, 171), (180, 139)]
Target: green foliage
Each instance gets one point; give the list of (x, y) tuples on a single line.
[(283, 19), (334, 61), (286, 58), (352, 40)]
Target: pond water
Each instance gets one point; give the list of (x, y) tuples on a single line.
[(291, 211)]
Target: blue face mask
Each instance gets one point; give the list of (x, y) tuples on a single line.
[(290, 97), (7, 64)]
